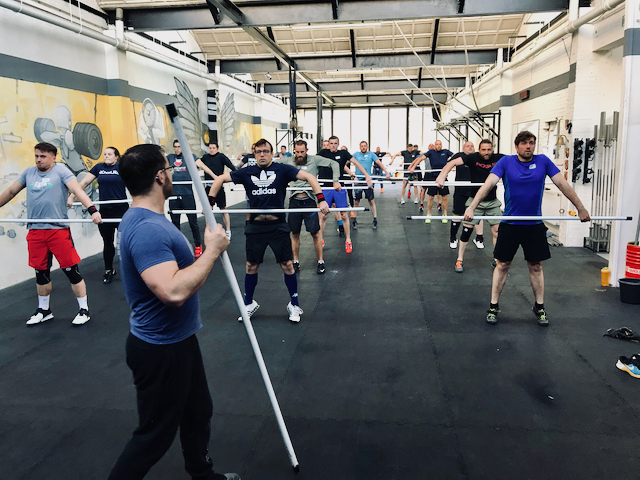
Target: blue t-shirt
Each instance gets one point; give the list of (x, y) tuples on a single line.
[(180, 174), (266, 188), (366, 160), (437, 161), (111, 186), (286, 154), (147, 239), (524, 185)]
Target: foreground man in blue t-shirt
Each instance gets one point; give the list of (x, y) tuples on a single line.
[(523, 176), (161, 281)]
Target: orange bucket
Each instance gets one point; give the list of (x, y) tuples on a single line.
[(632, 266)]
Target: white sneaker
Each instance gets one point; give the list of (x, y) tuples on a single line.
[(40, 316), (294, 312), (251, 309), (415, 200), (453, 245), (228, 234), (479, 245), (82, 317), (402, 201)]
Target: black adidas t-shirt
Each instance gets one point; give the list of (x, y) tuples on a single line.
[(266, 188), (479, 170)]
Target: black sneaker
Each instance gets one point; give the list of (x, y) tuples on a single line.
[(543, 321), (355, 224), (108, 276), (321, 268), (341, 231), (492, 316), (296, 266), (375, 224)]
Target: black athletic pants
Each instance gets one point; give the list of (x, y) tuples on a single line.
[(108, 232), (186, 202), (172, 393)]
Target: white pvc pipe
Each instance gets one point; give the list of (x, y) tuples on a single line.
[(105, 202), (514, 218), (274, 210), (233, 283)]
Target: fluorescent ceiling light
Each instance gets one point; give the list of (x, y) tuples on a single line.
[(361, 71), (314, 26), (367, 104)]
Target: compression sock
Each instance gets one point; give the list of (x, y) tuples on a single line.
[(250, 282), (291, 281)]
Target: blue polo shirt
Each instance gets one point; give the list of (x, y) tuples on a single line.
[(524, 185)]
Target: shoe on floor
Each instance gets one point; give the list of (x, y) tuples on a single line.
[(321, 268), (232, 476), (409, 194), (82, 317), (444, 220), (543, 321), (341, 231), (108, 276), (479, 244), (294, 312), (198, 251), (381, 190), (453, 244), (415, 200), (352, 215), (630, 365), (428, 220), (40, 316), (492, 316), (402, 202), (375, 224), (459, 268), (348, 246), (251, 309), (439, 207), (296, 266), (323, 243), (421, 208), (355, 224)]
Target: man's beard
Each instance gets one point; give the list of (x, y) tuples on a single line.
[(301, 160), (167, 189)]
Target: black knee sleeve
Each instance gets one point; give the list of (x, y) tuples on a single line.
[(43, 277), (466, 234), (73, 274), (455, 226)]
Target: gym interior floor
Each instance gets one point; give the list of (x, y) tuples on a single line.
[(392, 373)]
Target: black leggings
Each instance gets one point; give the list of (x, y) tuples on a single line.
[(186, 202), (108, 232)]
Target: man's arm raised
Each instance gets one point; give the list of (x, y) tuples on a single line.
[(446, 169)]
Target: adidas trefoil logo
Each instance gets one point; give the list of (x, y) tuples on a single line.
[(266, 179)]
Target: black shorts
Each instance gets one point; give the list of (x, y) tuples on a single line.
[(414, 177), (274, 234), (183, 202), (377, 171), (459, 203), (533, 239), (311, 219), (433, 191), (221, 198), (368, 193)]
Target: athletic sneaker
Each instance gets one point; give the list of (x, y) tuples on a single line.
[(108, 276), (198, 251), (232, 476), (453, 244), (415, 200), (82, 317), (630, 365), (381, 190), (409, 194), (321, 268), (459, 268), (421, 208), (251, 309), (428, 220), (439, 207), (296, 266), (40, 316), (543, 321), (352, 215), (478, 243), (444, 220), (402, 201), (341, 231), (294, 312), (323, 243), (375, 224), (228, 234), (355, 224), (492, 315), (348, 246)]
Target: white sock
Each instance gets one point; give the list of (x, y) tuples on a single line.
[(320, 261), (83, 302), (43, 302)]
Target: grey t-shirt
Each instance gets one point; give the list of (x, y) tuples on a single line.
[(46, 195)]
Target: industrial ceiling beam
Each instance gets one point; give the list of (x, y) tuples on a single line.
[(344, 62), (269, 13), (369, 85), (434, 40), (421, 100)]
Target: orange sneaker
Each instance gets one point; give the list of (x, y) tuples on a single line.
[(381, 190), (198, 251), (323, 243), (352, 215), (348, 246)]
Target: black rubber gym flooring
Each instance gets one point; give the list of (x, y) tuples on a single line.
[(392, 373)]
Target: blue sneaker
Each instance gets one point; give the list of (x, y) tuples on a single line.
[(630, 365)]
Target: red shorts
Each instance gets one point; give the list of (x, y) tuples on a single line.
[(43, 244)]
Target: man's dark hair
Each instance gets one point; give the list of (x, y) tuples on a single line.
[(115, 151), (409, 144), (263, 141), (47, 148), (364, 141), (175, 141), (139, 167), (524, 137), (333, 137), (282, 146), (216, 144), (485, 140), (301, 142)]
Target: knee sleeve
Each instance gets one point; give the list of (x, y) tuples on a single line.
[(73, 274), (43, 277), (466, 234)]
